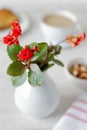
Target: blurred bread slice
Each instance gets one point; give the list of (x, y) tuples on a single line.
[(6, 17)]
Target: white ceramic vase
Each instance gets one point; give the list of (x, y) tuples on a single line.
[(37, 101)]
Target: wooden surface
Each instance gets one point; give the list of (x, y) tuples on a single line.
[(10, 117)]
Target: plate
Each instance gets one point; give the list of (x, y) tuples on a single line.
[(24, 23)]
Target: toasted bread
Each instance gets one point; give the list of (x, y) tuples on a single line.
[(6, 17)]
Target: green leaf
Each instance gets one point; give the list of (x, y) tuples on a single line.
[(57, 50), (16, 69), (13, 50), (35, 78), (58, 62), (33, 44), (36, 57), (43, 51), (41, 45), (41, 55), (50, 57), (19, 80), (48, 66)]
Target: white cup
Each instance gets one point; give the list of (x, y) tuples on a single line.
[(56, 33)]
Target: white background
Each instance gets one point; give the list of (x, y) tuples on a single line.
[(10, 117)]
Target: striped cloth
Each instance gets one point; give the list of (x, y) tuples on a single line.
[(75, 117)]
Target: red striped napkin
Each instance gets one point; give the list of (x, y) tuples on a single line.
[(75, 117)]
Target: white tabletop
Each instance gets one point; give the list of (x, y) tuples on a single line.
[(10, 117)]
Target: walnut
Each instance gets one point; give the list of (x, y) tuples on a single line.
[(79, 70)]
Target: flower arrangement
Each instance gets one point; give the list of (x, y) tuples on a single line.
[(30, 61)]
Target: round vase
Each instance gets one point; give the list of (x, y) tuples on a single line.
[(37, 101)]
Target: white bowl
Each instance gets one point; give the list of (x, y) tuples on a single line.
[(57, 33), (82, 83)]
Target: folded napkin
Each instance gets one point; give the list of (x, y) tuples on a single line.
[(75, 117)]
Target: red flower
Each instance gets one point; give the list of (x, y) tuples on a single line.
[(10, 39), (75, 40), (35, 48), (81, 36), (16, 41), (16, 29), (25, 54), (15, 24)]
